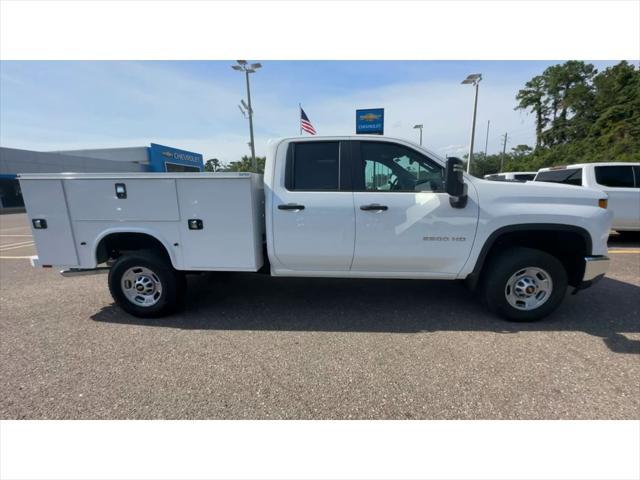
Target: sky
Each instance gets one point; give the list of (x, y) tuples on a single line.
[(193, 105)]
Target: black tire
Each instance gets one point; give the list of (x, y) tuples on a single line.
[(171, 282), (506, 264)]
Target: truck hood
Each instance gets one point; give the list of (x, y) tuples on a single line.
[(537, 192)]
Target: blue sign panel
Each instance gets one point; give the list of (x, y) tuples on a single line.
[(169, 159), (370, 120)]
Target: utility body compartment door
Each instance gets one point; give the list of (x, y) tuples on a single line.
[(45, 199), (221, 224), (147, 199)]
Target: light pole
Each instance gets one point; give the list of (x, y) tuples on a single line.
[(242, 66), (473, 79), (419, 127)]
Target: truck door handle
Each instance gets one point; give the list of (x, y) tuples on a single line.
[(291, 206), (374, 207)]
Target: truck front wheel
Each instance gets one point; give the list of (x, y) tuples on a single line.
[(524, 284), (144, 284)]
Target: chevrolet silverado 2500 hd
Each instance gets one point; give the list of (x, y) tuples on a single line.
[(365, 206)]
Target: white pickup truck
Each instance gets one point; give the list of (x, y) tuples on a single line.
[(365, 206), (619, 181)]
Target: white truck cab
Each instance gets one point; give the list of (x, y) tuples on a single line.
[(347, 206), (619, 180)]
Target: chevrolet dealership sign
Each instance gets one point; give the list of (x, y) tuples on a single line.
[(163, 159), (370, 121)]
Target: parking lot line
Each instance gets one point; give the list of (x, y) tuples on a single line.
[(13, 258), (19, 242), (14, 235), (627, 250), (12, 246)]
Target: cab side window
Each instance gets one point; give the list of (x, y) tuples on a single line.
[(570, 176), (620, 176), (313, 166), (389, 167)]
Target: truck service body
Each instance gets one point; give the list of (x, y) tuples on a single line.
[(364, 206)]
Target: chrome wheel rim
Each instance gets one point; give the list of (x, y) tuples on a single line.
[(141, 286), (528, 288)]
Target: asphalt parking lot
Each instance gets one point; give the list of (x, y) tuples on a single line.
[(250, 346)]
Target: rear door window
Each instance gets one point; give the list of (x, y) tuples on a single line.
[(620, 176), (569, 176), (314, 166)]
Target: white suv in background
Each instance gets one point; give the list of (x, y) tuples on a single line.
[(619, 180)]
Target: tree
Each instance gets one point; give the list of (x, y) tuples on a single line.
[(245, 165), (521, 151), (532, 96), (569, 95), (585, 116), (616, 129), (483, 165), (212, 165)]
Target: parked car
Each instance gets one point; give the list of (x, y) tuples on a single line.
[(357, 207), (619, 180), (511, 176)]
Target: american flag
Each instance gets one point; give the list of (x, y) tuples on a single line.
[(305, 124)]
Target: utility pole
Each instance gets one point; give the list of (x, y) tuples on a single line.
[(473, 79), (243, 66), (254, 163), (419, 127), (486, 142), (504, 149)]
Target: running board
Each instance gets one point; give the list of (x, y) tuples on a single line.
[(77, 272)]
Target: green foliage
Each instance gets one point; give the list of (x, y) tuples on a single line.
[(244, 165), (581, 116), (533, 97), (212, 165)]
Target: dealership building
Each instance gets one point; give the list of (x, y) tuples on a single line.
[(154, 158)]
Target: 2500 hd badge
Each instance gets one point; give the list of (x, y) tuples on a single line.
[(445, 239)]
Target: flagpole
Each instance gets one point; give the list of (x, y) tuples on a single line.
[(300, 118)]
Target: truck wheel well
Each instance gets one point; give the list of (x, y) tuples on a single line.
[(569, 245), (112, 246)]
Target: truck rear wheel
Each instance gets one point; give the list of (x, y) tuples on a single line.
[(524, 284), (144, 284)]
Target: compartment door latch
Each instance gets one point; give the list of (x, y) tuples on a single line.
[(195, 224)]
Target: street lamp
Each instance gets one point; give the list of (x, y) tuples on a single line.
[(473, 79), (243, 66), (420, 127)]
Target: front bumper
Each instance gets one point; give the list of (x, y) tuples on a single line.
[(594, 270)]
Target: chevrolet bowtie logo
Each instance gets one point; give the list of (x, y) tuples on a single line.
[(370, 117), (167, 154)]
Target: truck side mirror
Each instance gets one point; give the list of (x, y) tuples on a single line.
[(454, 183)]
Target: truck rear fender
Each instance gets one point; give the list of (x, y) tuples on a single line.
[(127, 239)]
